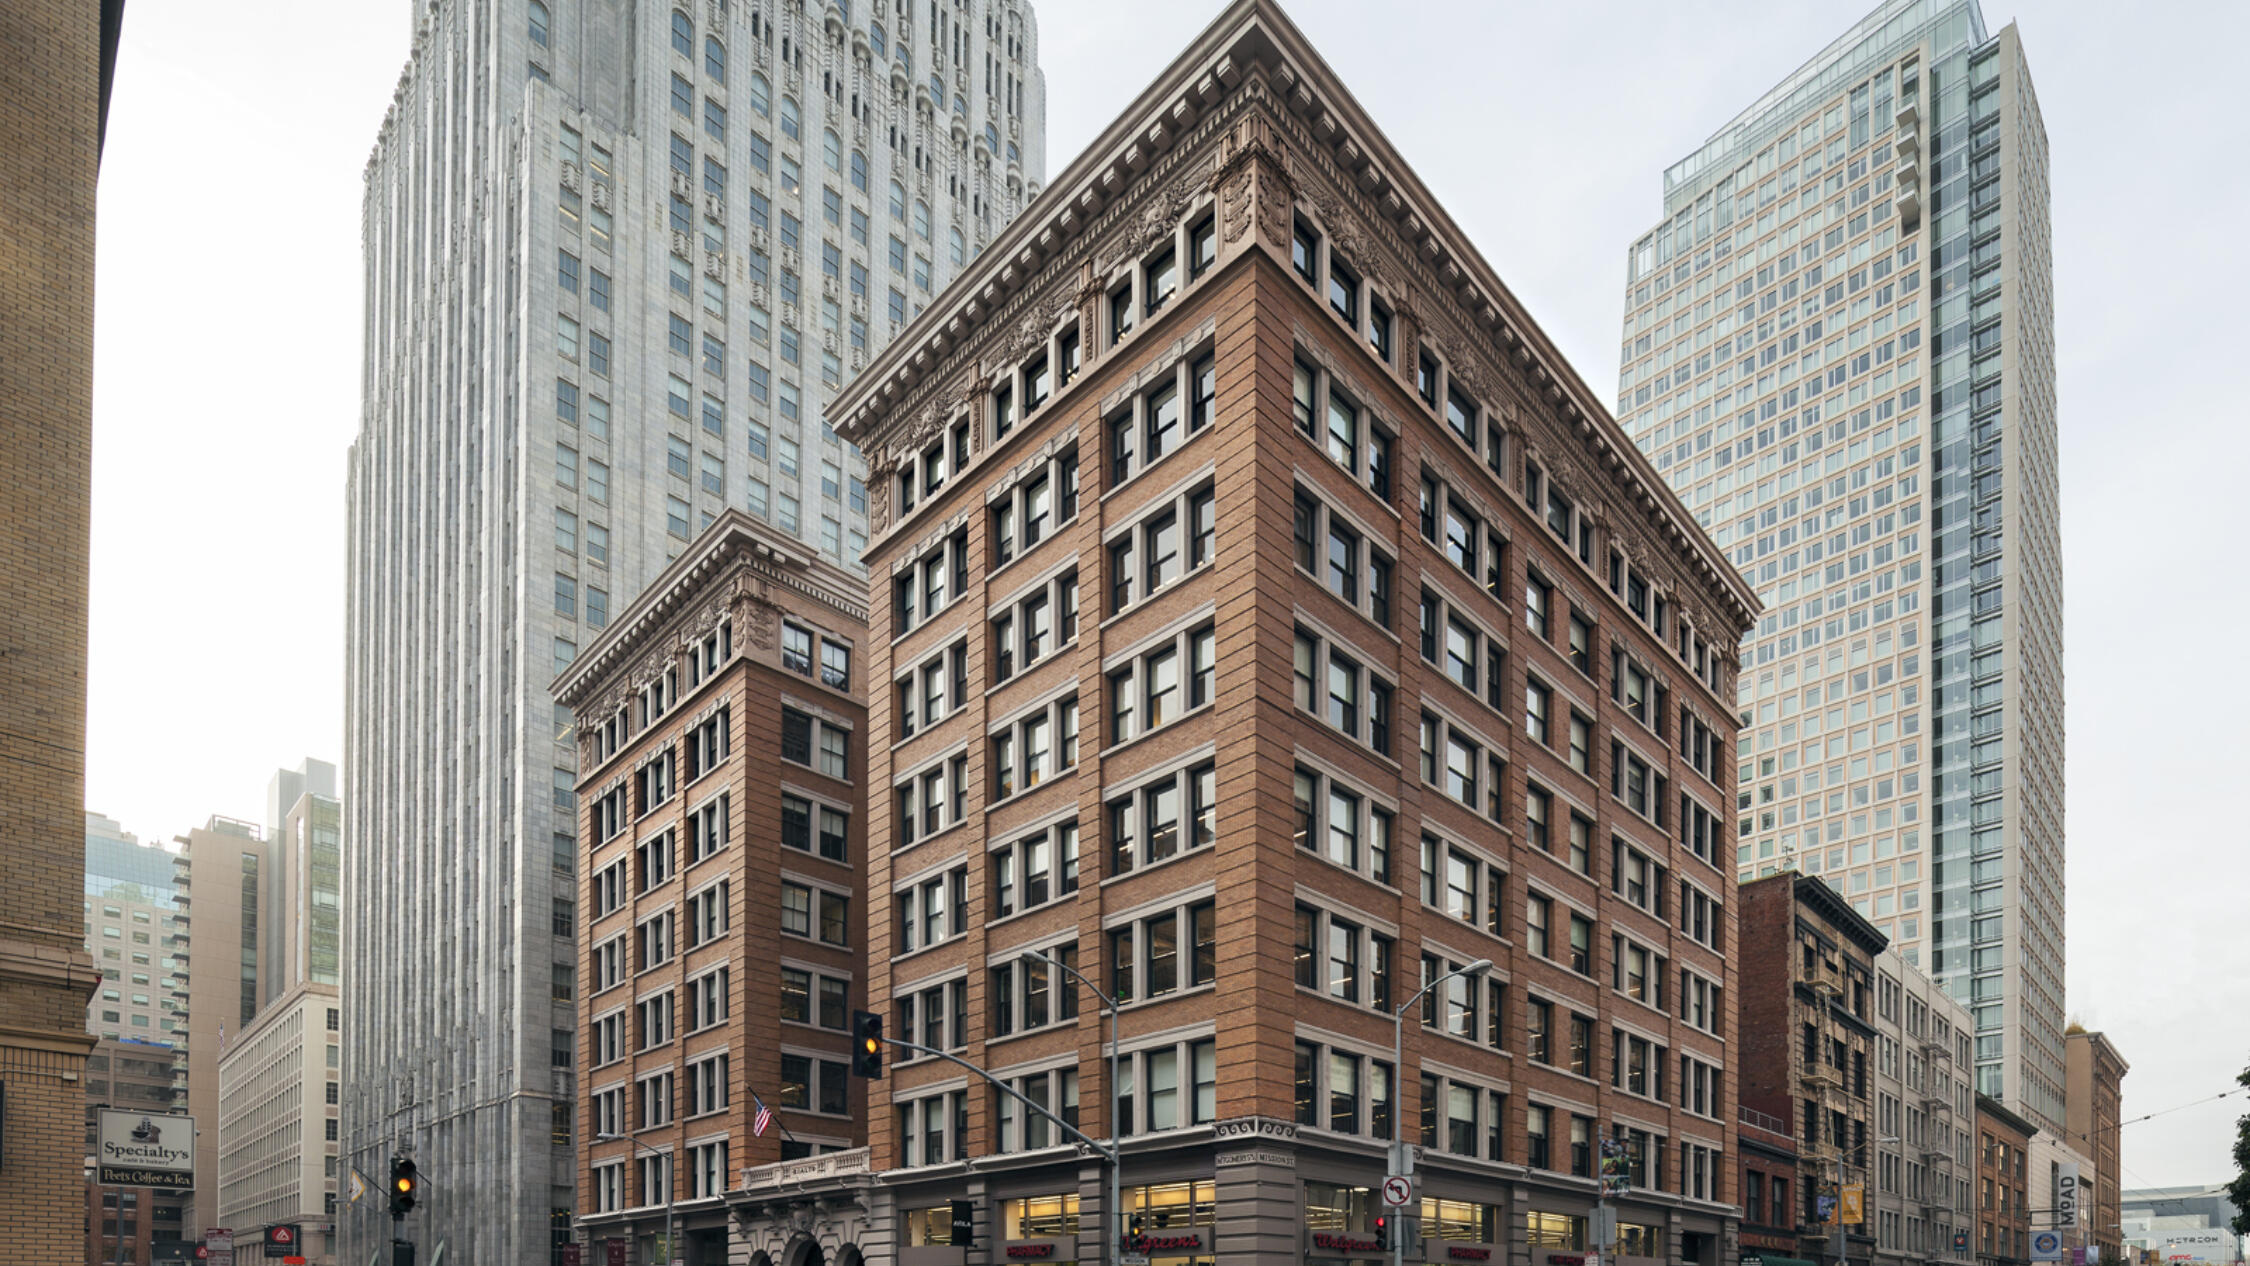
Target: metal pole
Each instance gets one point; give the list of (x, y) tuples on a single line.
[(1398, 1081), (1114, 1212)]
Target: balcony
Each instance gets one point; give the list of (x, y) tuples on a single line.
[(1822, 1075)]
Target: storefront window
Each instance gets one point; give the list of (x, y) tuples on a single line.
[(1172, 1205), (1460, 1220), (929, 1227), (1637, 1240), (1039, 1218), (1555, 1231), (1329, 1207)]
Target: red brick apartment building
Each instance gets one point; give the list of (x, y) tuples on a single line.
[(721, 927)]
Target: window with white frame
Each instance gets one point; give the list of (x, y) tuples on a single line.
[(653, 860), (1470, 656), (1166, 542), (655, 1180), (933, 689), (707, 1169), (652, 1018), (707, 828), (609, 963), (812, 1084), (1161, 683), (1341, 554), (707, 742), (1637, 877), (933, 1128), (1158, 420), (815, 912), (1035, 746), (609, 1038), (1637, 971), (707, 999), (932, 909), (1167, 1087), (1464, 884), (1158, 955), (1338, 956), (933, 1015), (654, 782), (1163, 816), (1462, 764), (812, 997), (1335, 684), (1026, 994), (609, 887), (1035, 868), (808, 826), (609, 1186), (653, 936), (707, 914), (707, 1086), (1346, 1091), (816, 742), (1341, 427), (608, 1110), (1020, 1129), (1039, 503), (1346, 825), (1035, 625), (922, 474), (926, 584), (931, 799)]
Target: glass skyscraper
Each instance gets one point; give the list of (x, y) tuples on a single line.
[(1839, 348)]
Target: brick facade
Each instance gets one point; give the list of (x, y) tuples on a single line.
[(1340, 532), (706, 683), (53, 86)]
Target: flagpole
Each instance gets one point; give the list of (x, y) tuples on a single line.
[(782, 1125)]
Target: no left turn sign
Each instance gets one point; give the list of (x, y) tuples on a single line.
[(1398, 1191)]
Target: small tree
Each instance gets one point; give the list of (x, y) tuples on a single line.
[(2238, 1191)]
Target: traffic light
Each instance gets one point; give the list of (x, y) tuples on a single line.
[(406, 1185), (1383, 1231), (867, 1044)]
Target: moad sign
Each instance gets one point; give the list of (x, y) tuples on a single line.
[(146, 1149), (2066, 1194)]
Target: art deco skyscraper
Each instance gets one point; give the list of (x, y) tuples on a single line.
[(617, 257), (1839, 348)]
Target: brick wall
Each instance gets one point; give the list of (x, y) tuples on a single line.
[(49, 125)]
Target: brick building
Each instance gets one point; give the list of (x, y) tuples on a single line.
[(2096, 1099), (54, 97), (1266, 622), (1768, 1190), (721, 740), (2003, 1205), (1808, 1041)]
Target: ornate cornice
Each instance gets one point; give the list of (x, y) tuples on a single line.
[(1252, 117)]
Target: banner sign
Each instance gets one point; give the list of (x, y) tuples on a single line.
[(145, 1149)]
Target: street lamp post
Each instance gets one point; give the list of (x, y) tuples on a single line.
[(1398, 1081), (671, 1251), (1113, 1214), (1843, 1245)]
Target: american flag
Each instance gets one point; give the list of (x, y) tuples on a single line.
[(764, 1118)]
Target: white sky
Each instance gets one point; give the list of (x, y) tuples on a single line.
[(228, 356)]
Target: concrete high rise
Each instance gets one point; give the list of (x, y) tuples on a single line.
[(221, 873), (1839, 349), (54, 100), (617, 258), (133, 932), (280, 1077)]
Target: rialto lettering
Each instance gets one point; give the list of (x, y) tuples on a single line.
[(1467, 1253), (1031, 1250), (1349, 1243)]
